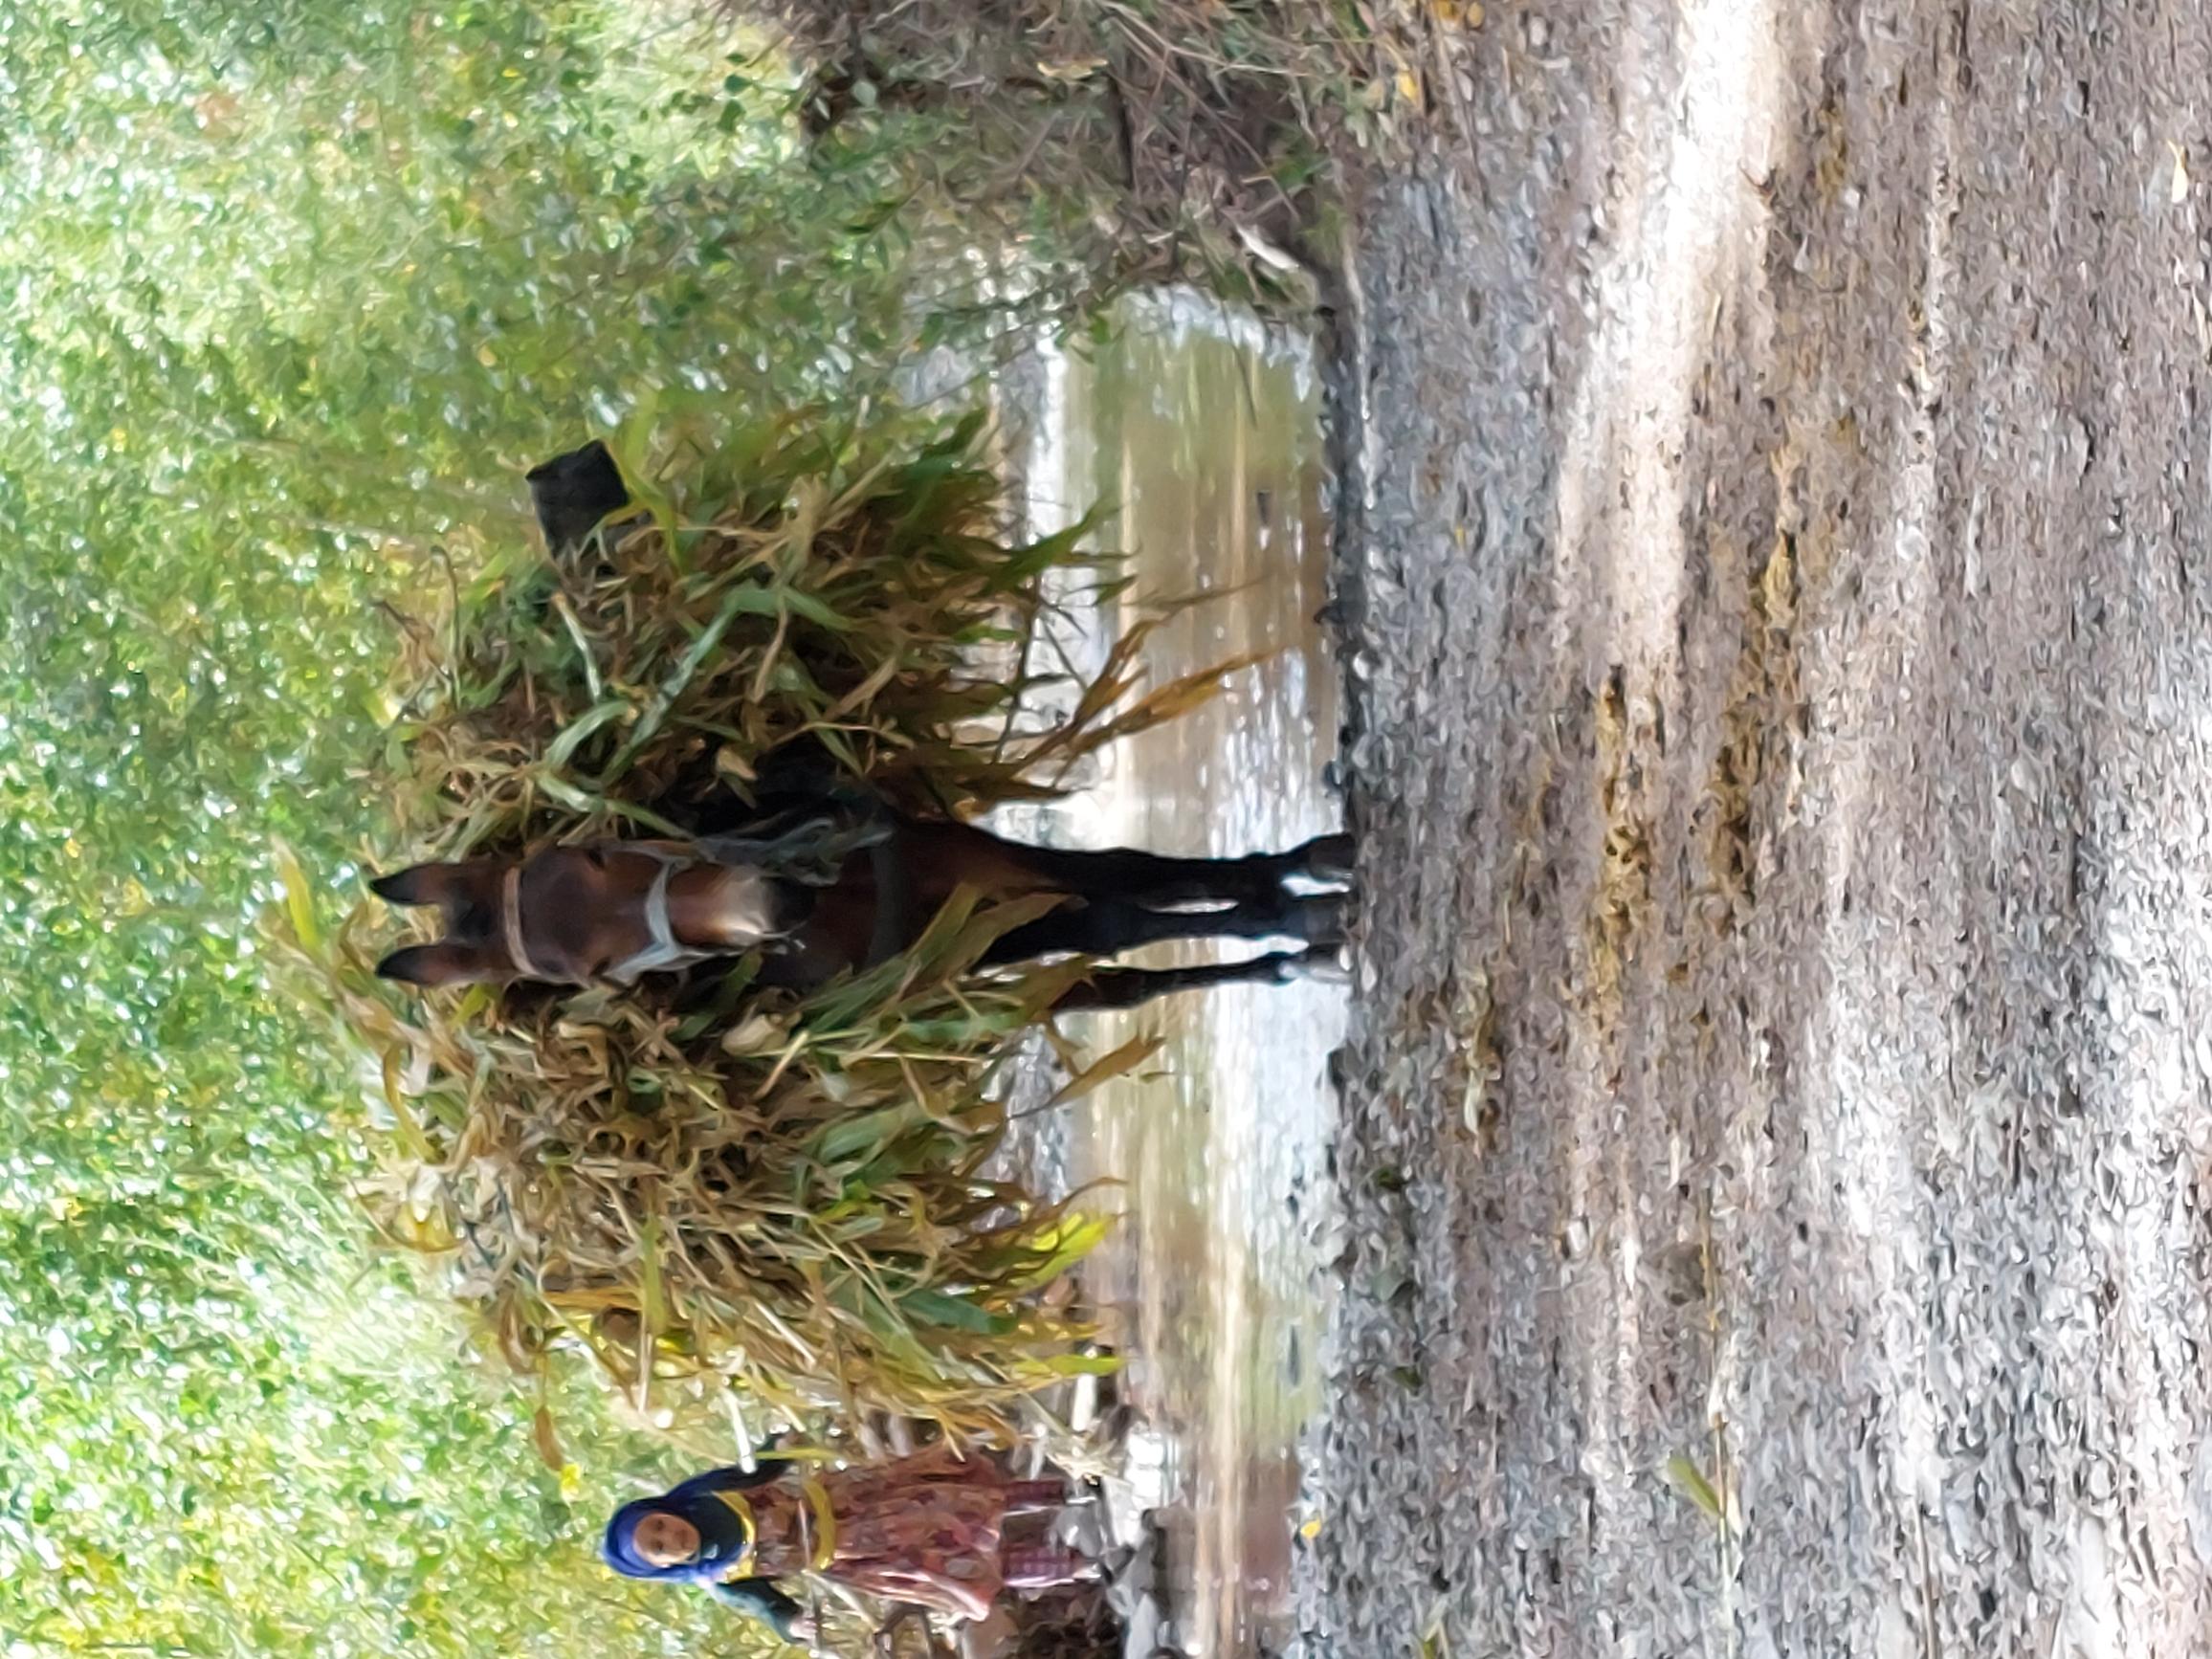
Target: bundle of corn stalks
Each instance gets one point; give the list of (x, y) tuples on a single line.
[(713, 1180)]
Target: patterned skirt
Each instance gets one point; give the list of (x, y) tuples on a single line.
[(924, 1529)]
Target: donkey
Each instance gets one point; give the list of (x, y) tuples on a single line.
[(835, 895), (839, 892)]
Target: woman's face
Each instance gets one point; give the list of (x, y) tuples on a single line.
[(666, 1541)]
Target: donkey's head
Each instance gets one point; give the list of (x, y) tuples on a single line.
[(577, 915)]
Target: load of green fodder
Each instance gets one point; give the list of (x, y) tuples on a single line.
[(781, 1191)]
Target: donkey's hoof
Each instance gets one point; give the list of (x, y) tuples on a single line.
[(1331, 857), (1317, 964), (1319, 920)]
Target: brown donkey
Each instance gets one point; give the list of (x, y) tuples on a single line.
[(851, 886), (824, 901)]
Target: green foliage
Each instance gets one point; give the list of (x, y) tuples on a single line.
[(288, 292)]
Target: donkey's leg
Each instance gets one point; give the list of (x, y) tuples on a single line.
[(1154, 880), (1108, 927), (1127, 987), (940, 856), (1326, 857)]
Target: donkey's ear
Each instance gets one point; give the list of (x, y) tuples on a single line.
[(445, 963), (445, 884)]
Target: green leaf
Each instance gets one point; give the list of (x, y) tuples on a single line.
[(299, 895), (868, 1132), (580, 730), (1694, 1485), (928, 1307)]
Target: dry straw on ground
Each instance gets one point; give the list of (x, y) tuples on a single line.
[(717, 1181), (1166, 143)]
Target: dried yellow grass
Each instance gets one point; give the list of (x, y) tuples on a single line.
[(784, 1193)]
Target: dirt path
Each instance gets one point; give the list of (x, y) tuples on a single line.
[(1776, 575)]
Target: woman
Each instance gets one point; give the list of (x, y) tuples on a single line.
[(924, 1529)]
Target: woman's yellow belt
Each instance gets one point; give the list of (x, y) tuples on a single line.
[(743, 1568), (825, 1528), (824, 1522)]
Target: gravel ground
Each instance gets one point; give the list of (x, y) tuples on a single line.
[(1774, 564)]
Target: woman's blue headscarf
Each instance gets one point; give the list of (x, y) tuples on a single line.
[(722, 1540)]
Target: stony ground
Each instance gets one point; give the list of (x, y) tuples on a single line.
[(1776, 562)]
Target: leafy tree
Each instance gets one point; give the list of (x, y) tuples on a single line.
[(289, 294)]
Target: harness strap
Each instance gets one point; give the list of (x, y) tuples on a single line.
[(666, 951), (812, 853), (893, 903), (510, 923)]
